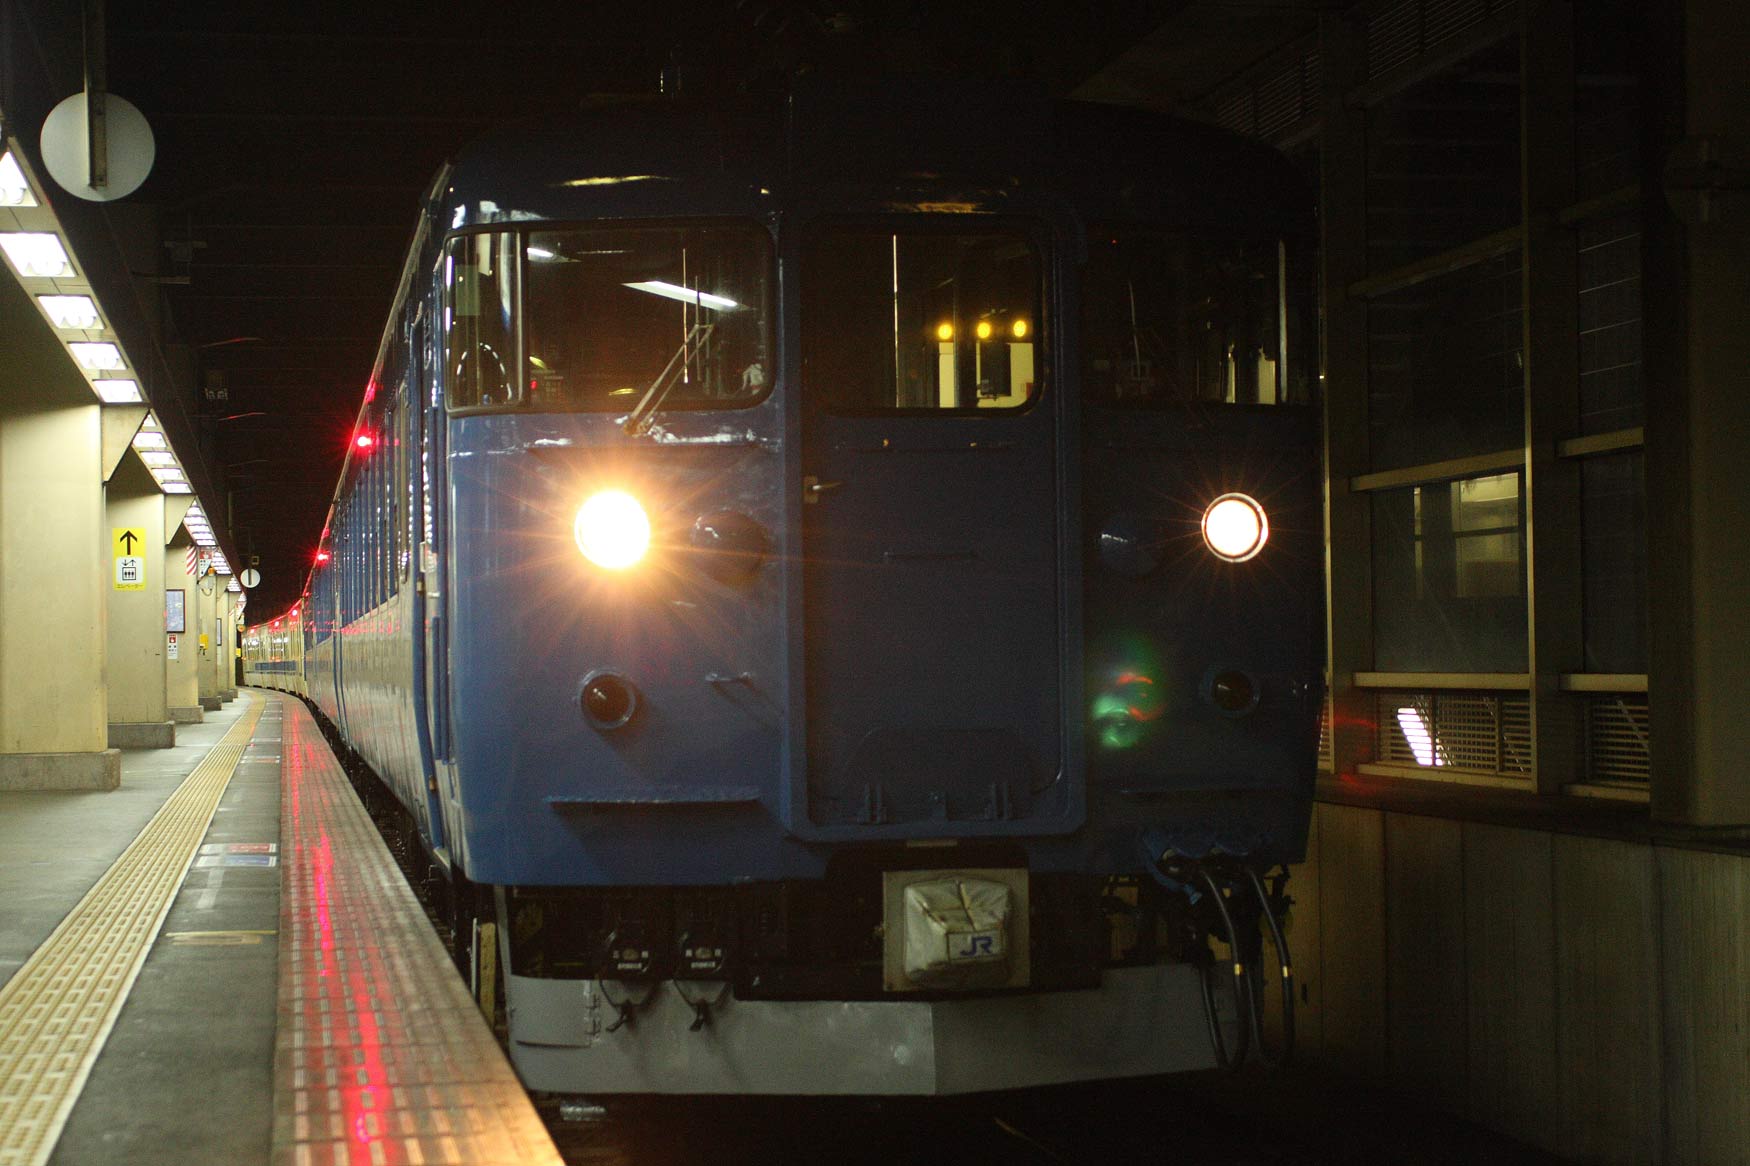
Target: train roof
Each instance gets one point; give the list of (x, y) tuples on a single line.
[(923, 144)]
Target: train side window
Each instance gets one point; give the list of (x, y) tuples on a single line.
[(481, 295), (1173, 320), (921, 320)]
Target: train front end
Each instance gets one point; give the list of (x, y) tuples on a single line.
[(827, 694)]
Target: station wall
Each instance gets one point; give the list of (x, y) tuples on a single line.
[(1581, 993)]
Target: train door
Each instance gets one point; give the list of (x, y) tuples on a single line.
[(434, 567), (930, 530)]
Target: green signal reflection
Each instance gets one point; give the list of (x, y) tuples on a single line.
[(1129, 696)]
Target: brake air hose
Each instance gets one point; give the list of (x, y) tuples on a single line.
[(1240, 986), (1287, 965)]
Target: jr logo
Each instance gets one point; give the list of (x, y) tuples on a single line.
[(977, 946)]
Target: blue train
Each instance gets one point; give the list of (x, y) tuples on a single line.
[(835, 586)]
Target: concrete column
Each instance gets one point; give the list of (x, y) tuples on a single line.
[(139, 715), (182, 695), (228, 628), (203, 626), (1696, 251), (53, 571)]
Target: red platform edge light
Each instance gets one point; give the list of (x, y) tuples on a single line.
[(321, 556), (364, 441)]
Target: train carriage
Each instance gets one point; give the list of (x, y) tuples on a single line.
[(836, 585)]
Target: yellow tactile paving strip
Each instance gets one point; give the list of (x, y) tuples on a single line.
[(381, 1057), (57, 1011)]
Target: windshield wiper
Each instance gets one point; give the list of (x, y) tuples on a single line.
[(639, 420)]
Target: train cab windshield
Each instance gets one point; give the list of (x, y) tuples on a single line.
[(558, 320), (1175, 320)]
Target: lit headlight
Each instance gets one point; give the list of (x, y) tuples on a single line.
[(1235, 528), (612, 530)]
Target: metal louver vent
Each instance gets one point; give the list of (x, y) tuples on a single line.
[(1617, 738), (1325, 762), (1399, 33), (1274, 102), (1471, 731)]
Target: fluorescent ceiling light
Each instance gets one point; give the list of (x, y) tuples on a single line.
[(169, 474), (151, 421), (176, 487), (97, 355), (14, 187), (36, 253), (71, 311), (118, 392), (157, 457), (540, 253), (150, 439), (685, 295)]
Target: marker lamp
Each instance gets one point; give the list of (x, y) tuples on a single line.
[(612, 530), (1235, 528)]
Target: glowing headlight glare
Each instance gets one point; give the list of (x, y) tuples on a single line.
[(612, 530), (1235, 528)]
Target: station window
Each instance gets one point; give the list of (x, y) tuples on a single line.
[(921, 320), (1169, 320), (1449, 576)]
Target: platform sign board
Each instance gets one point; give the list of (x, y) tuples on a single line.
[(130, 557)]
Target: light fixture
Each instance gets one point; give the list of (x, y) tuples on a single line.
[(685, 295), (156, 457), (171, 473), (14, 187), (983, 329), (612, 530), (118, 391), (1019, 328), (97, 355), (175, 487), (944, 332), (150, 439), (36, 253), (78, 312), (1417, 736), (1234, 527)]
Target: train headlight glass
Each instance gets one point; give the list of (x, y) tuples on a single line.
[(1235, 528), (612, 530)]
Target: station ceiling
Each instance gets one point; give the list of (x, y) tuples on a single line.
[(293, 142)]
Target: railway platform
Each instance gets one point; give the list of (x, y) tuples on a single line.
[(220, 962)]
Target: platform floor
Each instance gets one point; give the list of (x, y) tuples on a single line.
[(189, 974)]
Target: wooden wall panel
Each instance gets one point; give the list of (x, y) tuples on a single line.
[(1607, 1000), (1510, 969), (1705, 901), (1425, 957), (1352, 938)]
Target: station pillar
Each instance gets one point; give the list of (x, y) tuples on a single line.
[(53, 567), (228, 628), (1696, 249), (139, 714), (203, 626), (182, 658)]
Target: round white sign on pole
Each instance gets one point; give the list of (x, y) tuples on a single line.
[(67, 151), (250, 577)]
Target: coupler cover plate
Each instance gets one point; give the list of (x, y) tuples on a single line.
[(955, 930)]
